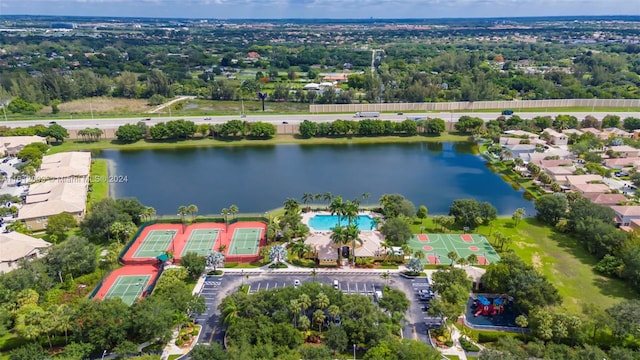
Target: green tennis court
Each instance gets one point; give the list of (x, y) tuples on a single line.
[(245, 241), (155, 244), (201, 241), (436, 247), (128, 288)]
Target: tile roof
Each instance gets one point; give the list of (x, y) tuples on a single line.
[(15, 246)]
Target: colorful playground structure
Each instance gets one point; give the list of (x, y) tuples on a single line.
[(488, 307)]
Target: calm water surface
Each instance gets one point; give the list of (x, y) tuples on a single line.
[(260, 178)]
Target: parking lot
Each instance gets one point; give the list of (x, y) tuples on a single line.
[(217, 287), (366, 286)]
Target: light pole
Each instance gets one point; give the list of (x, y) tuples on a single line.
[(104, 353), (354, 351)]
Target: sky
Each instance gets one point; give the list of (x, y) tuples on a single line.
[(256, 9)]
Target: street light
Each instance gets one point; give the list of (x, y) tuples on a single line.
[(103, 354), (354, 351)]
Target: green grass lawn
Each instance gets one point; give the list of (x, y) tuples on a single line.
[(99, 183), (564, 262), (277, 140)]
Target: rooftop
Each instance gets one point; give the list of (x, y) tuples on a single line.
[(66, 164), (54, 197), (15, 246)]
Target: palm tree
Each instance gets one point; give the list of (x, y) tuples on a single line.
[(338, 237), (230, 312), (327, 197), (234, 210), (333, 311), (386, 246), (419, 254), (305, 302), (225, 214), (304, 322), (453, 256), (322, 301), (353, 234), (193, 210), (365, 196), (291, 206), (306, 199), (472, 259), (182, 211), (318, 318), (300, 248), (294, 310), (336, 207), (386, 276), (350, 211)]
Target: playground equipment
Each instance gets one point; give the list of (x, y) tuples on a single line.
[(486, 307)]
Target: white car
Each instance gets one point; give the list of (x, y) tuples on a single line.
[(296, 283)]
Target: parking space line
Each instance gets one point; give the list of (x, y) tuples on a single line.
[(267, 288), (258, 289)]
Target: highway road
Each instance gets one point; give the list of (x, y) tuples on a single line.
[(113, 123)]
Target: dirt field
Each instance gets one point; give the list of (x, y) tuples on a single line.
[(102, 105)]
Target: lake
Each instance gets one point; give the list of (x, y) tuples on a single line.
[(260, 178)]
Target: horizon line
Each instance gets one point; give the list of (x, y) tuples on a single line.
[(329, 18)]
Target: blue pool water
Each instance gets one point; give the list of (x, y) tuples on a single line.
[(328, 222)]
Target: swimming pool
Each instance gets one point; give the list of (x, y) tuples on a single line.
[(328, 222)]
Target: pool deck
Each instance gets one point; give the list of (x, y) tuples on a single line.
[(321, 240)]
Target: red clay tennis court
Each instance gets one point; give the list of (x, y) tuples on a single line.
[(128, 283)]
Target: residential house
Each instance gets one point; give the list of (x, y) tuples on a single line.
[(586, 189), (626, 213), (336, 77), (312, 86), (619, 163), (11, 145), (51, 198), (559, 172), (74, 164), (573, 180), (618, 132), (606, 199), (599, 134), (626, 151), (556, 137), (551, 163), (520, 149), (572, 132), (15, 246), (521, 133)]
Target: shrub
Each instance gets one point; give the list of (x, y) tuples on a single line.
[(230, 264), (179, 342), (215, 272), (195, 332), (185, 337), (486, 337), (468, 345), (278, 266), (448, 343)]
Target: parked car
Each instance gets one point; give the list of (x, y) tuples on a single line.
[(296, 283), (6, 160), (336, 284), (425, 307)]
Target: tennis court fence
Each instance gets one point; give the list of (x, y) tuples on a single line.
[(133, 239), (152, 286)]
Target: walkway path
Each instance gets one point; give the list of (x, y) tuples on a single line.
[(456, 349), (171, 102)]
